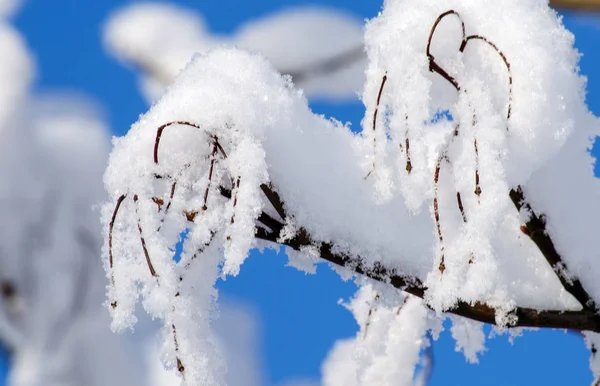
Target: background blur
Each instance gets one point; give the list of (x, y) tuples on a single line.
[(89, 68)]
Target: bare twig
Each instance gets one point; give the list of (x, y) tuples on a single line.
[(111, 227), (143, 241), (383, 80), (436, 212), (180, 366), (371, 308)]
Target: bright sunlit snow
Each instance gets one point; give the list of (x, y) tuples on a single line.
[(424, 189)]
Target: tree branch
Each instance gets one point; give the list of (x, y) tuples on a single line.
[(584, 320), (535, 228), (583, 5)]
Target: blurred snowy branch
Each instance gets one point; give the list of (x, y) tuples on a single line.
[(321, 48), (52, 156), (583, 5)]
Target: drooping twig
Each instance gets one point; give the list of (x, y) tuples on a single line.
[(190, 215), (143, 241), (383, 80), (371, 308), (235, 186), (180, 366), (111, 227), (436, 213), (535, 228), (407, 143), (433, 65), (504, 59)]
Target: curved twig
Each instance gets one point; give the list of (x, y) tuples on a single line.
[(160, 130), (433, 65), (111, 226), (383, 80), (504, 59), (143, 241)]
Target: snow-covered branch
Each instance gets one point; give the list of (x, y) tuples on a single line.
[(458, 191)]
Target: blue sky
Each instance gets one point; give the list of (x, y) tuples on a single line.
[(299, 315)]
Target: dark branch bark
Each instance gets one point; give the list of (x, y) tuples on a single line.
[(584, 320), (535, 228), (584, 5)]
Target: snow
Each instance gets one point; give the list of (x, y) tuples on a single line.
[(53, 152), (469, 336), (592, 341), (510, 115), (387, 347), (297, 40), (8, 7), (54, 322), (238, 334)]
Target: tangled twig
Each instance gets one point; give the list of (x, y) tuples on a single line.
[(435, 67)]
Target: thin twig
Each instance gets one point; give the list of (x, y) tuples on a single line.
[(180, 366), (143, 241), (368, 322), (160, 130), (433, 65), (436, 212), (383, 80), (111, 226)]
